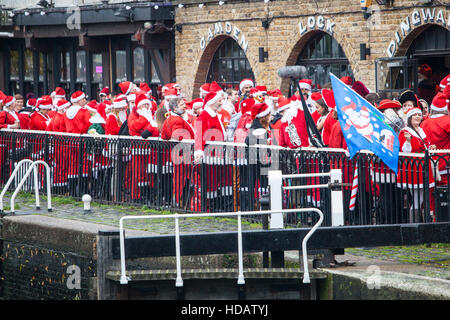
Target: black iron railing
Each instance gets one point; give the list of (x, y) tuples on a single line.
[(232, 177)]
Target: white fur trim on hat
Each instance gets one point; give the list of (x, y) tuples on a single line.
[(264, 113), (304, 85), (73, 100), (10, 102), (65, 105), (412, 112), (144, 101), (131, 97), (119, 104), (214, 100), (244, 83)]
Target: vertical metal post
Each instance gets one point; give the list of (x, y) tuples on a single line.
[(337, 205), (241, 280), (276, 199), (179, 280), (426, 188)]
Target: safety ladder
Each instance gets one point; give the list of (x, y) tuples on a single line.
[(33, 167)]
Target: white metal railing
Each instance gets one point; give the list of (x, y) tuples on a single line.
[(33, 167), (276, 198), (179, 281)]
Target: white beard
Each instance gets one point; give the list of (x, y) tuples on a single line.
[(147, 114), (122, 116)]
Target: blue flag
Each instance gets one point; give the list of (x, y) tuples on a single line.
[(362, 125)]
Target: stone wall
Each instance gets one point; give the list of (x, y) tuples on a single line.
[(293, 24), (46, 262)]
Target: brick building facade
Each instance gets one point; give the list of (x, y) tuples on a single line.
[(284, 28)]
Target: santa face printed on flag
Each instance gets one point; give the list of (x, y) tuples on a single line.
[(363, 127)]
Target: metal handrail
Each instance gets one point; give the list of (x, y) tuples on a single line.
[(36, 186), (12, 177), (179, 282)]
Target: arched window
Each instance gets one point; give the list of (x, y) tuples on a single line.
[(322, 55), (229, 65)]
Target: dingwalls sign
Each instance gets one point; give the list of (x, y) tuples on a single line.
[(417, 18), (228, 29)]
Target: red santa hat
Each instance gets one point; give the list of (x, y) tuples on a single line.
[(44, 103), (60, 93), (275, 93), (204, 88), (328, 97), (347, 80), (360, 89), (119, 103), (246, 82), (31, 103), (316, 96), (211, 98), (62, 104), (413, 111), (440, 102), (171, 93), (214, 87), (389, 104), (2, 96), (105, 91), (144, 87), (142, 99), (305, 84), (260, 110), (126, 87), (196, 103), (101, 110), (425, 70), (8, 101), (283, 103), (261, 89), (444, 82), (77, 96), (247, 105)]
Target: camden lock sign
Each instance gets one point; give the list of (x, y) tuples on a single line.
[(314, 23), (417, 18), (224, 28)]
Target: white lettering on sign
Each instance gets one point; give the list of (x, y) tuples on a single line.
[(313, 23), (417, 18), (227, 28), (218, 28), (405, 26)]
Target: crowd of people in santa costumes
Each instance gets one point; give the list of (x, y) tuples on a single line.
[(243, 114)]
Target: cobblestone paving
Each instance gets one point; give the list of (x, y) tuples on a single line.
[(68, 208)]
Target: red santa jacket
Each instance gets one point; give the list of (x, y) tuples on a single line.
[(327, 125), (293, 132), (176, 127), (437, 129), (6, 119), (57, 123), (138, 124), (207, 127), (24, 118), (76, 119), (112, 126), (38, 121), (337, 139), (243, 127)]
